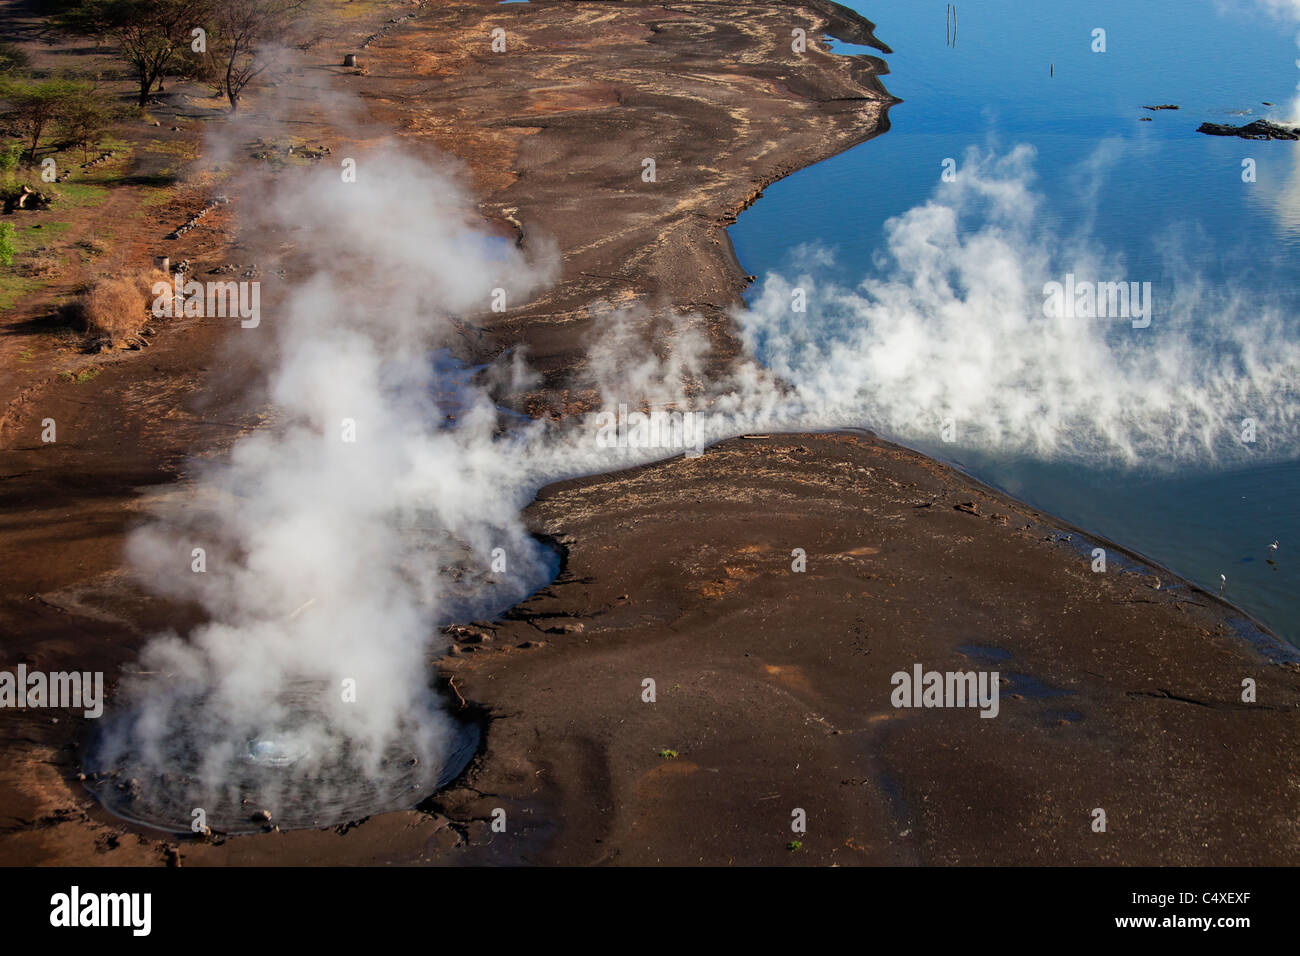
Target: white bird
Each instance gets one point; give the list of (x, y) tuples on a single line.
[(1273, 546), (1223, 579)]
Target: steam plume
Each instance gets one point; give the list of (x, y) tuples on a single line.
[(330, 562)]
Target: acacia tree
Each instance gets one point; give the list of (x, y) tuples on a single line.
[(148, 33), (84, 119), (243, 36), (33, 106)]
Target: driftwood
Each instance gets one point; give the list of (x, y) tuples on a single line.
[(26, 198)]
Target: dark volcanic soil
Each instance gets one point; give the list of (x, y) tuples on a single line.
[(557, 129), (772, 687)]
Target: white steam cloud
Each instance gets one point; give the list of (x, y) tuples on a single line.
[(337, 540), (952, 325), (330, 560)]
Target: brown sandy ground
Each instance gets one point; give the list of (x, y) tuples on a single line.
[(772, 686), (556, 130)]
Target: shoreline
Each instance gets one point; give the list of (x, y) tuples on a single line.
[(770, 682), (187, 400), (1287, 646), (598, 564), (1266, 641), (1286, 651)]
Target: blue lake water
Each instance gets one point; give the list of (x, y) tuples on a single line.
[(1149, 202)]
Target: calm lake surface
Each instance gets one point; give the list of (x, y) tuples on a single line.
[(1161, 202)]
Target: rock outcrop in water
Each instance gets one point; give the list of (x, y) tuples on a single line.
[(1259, 129)]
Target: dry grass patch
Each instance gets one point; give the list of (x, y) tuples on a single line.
[(37, 265), (114, 309)]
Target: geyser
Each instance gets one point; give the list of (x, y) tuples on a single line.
[(338, 539), (293, 772)]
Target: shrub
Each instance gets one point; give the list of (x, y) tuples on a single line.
[(9, 160), (12, 59), (114, 307)]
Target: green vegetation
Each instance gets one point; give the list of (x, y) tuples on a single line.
[(80, 378), (51, 124), (668, 754), (79, 196), (84, 121), (154, 196), (35, 106), (12, 59), (7, 249), (794, 845), (9, 156), (46, 115)]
